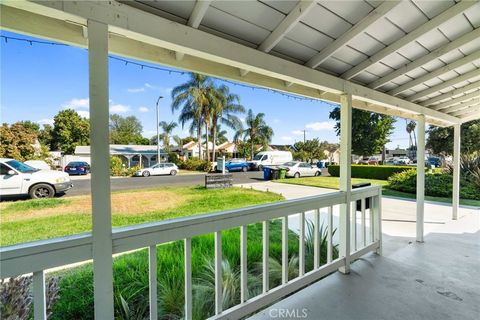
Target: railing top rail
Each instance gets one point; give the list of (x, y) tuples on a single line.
[(39, 255)]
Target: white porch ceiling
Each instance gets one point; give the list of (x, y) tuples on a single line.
[(401, 57)]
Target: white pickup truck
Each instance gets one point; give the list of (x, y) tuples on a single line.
[(17, 178)]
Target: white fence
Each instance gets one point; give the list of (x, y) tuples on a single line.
[(364, 236)]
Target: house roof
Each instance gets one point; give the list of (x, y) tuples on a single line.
[(404, 58), (122, 149)]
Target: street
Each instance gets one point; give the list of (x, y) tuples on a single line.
[(82, 184)]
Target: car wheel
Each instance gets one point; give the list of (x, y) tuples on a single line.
[(173, 172), (244, 169), (317, 173), (41, 190), (260, 168), (146, 173), (296, 175)]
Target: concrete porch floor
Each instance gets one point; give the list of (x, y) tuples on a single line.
[(437, 279)]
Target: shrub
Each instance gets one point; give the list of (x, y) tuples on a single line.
[(379, 172), (117, 168), (436, 184), (195, 164), (131, 276), (173, 158)]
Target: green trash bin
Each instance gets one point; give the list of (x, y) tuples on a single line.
[(283, 172)]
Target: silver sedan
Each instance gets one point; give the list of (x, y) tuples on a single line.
[(297, 169)]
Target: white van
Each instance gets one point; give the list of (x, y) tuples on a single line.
[(18, 178), (270, 158)]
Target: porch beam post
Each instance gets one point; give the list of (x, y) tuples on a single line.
[(345, 177), (420, 177), (100, 181), (456, 171)]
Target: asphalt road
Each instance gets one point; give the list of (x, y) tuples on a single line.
[(81, 186)]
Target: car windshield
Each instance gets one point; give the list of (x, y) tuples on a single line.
[(258, 157), (22, 167), (289, 164)]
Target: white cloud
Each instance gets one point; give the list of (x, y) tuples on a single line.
[(318, 126), (276, 120), (242, 119), (119, 108), (76, 104), (143, 109), (285, 138), (136, 90), (297, 132), (84, 114), (45, 121), (148, 85)]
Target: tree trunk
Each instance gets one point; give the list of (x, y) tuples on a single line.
[(251, 148), (214, 138), (206, 138), (199, 140)]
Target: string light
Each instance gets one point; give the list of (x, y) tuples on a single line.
[(170, 71)]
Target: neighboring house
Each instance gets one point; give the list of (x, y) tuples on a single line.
[(131, 155), (332, 156)]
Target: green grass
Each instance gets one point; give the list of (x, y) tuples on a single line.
[(334, 182), (19, 206), (17, 228)]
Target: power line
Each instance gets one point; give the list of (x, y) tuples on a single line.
[(170, 71)]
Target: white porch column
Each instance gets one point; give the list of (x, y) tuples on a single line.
[(345, 177), (420, 177), (456, 171), (100, 181)]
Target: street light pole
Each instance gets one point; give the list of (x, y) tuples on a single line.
[(158, 134)]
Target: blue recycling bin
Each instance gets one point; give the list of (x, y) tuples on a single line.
[(267, 173)]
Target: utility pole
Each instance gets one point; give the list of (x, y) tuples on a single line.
[(158, 134), (304, 136)]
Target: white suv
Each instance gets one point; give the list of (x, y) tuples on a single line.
[(17, 178)]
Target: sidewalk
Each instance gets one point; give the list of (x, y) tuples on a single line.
[(398, 216)]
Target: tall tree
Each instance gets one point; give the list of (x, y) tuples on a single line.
[(192, 97), (440, 140), (224, 109), (126, 130), (167, 129), (258, 132), (33, 127), (310, 150), (370, 131), (70, 130), (45, 135), (17, 142)]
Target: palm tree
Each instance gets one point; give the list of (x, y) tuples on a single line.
[(225, 106), (167, 131), (257, 131), (192, 98)]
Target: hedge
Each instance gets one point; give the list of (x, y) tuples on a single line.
[(436, 185), (379, 172)]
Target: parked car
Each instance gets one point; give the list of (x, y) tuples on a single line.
[(77, 167), (269, 158), (38, 164), (435, 161), (403, 160), (158, 170), (368, 160), (297, 169), (234, 165), (18, 178)]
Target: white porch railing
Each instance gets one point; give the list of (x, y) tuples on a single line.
[(36, 257)]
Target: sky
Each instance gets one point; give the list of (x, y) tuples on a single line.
[(39, 80)]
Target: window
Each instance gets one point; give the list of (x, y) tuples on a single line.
[(304, 165), (4, 169), (20, 166)]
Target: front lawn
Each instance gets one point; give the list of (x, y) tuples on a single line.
[(30, 220), (333, 183)]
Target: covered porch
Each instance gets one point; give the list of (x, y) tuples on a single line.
[(167, 34)]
